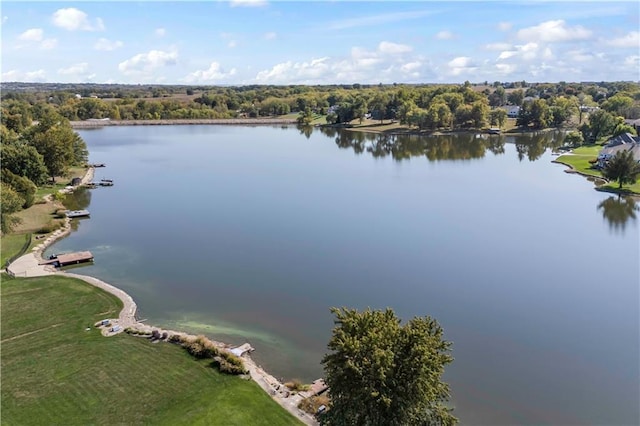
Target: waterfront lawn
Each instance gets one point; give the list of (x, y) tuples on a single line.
[(579, 160), (580, 157), (10, 245), (54, 371), (61, 182)]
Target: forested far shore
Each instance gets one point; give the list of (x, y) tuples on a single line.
[(424, 107)]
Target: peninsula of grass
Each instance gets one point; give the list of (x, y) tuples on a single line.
[(579, 159), (58, 369)]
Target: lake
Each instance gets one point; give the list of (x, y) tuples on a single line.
[(251, 233)]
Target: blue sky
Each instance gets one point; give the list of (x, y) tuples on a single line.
[(321, 42)]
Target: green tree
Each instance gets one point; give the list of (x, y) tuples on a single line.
[(601, 124), (516, 97), (622, 168), (10, 202), (56, 147), (24, 160), (383, 373), (305, 117), (23, 187), (574, 139), (498, 116)]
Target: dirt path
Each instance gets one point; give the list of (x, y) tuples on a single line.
[(8, 339)]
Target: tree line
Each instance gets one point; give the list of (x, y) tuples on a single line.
[(38, 145), (426, 107)]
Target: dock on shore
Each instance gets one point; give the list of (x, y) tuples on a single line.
[(69, 259)]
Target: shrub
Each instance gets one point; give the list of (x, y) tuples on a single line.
[(164, 335), (51, 226), (296, 385), (175, 338), (312, 404)]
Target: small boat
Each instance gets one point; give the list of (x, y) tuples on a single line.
[(106, 183), (106, 180), (494, 131), (77, 213)]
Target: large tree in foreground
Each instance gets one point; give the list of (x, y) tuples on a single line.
[(381, 372), (622, 168)]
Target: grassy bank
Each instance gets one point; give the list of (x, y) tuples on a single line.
[(55, 369), (578, 160)]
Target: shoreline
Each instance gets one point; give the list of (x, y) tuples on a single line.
[(94, 124), (127, 319), (595, 179)]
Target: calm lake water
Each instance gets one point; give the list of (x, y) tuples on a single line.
[(253, 233)]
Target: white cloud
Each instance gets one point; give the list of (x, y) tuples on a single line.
[(505, 69), (232, 44), (411, 66), (270, 36), (461, 65), (631, 39), (504, 26), (75, 69), (29, 76), (248, 3), (632, 61), (553, 31), (48, 44), (5, 19), (444, 35), (107, 45), (393, 48), (33, 34), (73, 19), (160, 32), (147, 62), (507, 54), (296, 72), (498, 46), (213, 74), (12, 75)]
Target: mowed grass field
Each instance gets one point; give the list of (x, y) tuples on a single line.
[(55, 372), (579, 160)]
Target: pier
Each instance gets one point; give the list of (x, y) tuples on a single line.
[(69, 259)]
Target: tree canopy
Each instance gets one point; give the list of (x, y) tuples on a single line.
[(381, 372), (622, 168)]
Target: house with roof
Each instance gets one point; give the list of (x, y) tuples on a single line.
[(622, 142), (512, 111)]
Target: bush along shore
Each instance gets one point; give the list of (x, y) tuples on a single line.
[(224, 357)]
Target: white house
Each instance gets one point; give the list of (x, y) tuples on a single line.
[(623, 142)]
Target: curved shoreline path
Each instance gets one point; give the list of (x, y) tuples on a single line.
[(29, 265)]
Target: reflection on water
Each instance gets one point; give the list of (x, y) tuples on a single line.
[(457, 146), (252, 233), (618, 211)]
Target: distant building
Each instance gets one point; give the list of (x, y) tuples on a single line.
[(512, 111), (623, 142)]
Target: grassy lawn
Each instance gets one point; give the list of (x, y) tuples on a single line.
[(56, 372), (10, 245), (579, 160), (36, 216), (61, 182)]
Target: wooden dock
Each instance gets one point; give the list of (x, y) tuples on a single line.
[(69, 259)]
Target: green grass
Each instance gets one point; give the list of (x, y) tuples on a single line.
[(10, 245), (579, 161), (61, 182), (56, 372)]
